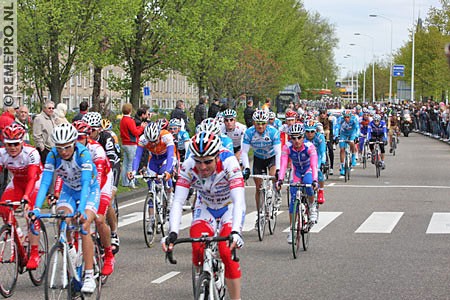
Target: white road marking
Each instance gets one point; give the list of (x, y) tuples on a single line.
[(186, 221), (391, 186), (131, 204), (165, 277), (331, 184), (380, 222), (325, 218), (439, 224), (130, 218)]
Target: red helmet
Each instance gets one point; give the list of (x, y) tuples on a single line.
[(291, 115), (82, 127), (13, 133), (163, 123)]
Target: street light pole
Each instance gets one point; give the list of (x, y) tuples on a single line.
[(373, 63), (349, 56), (391, 55), (413, 50), (364, 72)]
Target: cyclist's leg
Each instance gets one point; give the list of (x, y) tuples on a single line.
[(342, 146), (258, 167), (320, 193), (382, 153), (232, 268), (203, 222), (33, 261), (154, 166)]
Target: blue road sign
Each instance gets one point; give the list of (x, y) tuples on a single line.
[(146, 91), (338, 84), (398, 70)]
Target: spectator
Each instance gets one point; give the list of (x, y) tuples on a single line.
[(83, 110), (23, 119), (60, 114), (141, 115), (105, 111), (42, 130), (129, 134), (248, 113), (7, 118), (201, 111), (267, 106), (179, 113), (214, 108)]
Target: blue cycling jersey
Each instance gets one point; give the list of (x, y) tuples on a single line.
[(350, 128), (79, 175), (181, 138), (262, 144), (321, 146), (377, 131), (277, 124)]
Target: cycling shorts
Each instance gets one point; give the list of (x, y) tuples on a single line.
[(306, 179), (106, 194), (349, 137), (260, 166), (68, 198)]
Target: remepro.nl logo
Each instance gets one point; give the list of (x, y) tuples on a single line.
[(8, 53)]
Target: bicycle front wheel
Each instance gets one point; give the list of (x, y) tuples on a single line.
[(261, 218), (99, 278), (296, 228), (57, 282), (9, 262), (305, 224), (149, 226), (202, 291), (272, 212), (37, 275)]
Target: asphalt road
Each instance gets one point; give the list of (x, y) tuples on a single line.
[(385, 238)]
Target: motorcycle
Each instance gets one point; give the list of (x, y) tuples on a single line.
[(406, 123)]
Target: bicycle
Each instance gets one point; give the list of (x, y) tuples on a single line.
[(64, 277), (365, 153), (301, 223), (156, 195), (209, 282), (394, 142), (325, 168), (268, 211), (14, 252), (377, 157), (347, 160)]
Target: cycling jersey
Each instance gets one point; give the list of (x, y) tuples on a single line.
[(378, 132), (79, 176), (321, 146), (181, 138), (265, 145), (112, 148), (26, 170), (347, 129), (222, 191), (162, 153), (235, 135), (277, 124)]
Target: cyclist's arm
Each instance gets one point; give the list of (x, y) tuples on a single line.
[(244, 155), (385, 132), (169, 164), (313, 159), (237, 195), (369, 132), (137, 158), (33, 175), (47, 179), (180, 195), (283, 162), (277, 148), (87, 167), (322, 150)]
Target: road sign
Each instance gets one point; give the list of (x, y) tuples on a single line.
[(398, 70), (338, 84), (146, 91)]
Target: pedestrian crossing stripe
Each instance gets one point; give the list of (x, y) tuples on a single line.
[(377, 222)]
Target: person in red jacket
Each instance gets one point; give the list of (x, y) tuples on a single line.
[(129, 134), (6, 119)]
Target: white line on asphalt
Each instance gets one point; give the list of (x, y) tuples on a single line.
[(439, 224), (391, 186), (380, 222), (130, 218), (131, 204), (186, 221), (165, 277), (325, 218), (331, 184), (250, 220)]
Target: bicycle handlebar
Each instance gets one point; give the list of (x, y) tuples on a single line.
[(62, 215), (203, 239), (376, 142), (299, 184), (267, 177), (346, 141)]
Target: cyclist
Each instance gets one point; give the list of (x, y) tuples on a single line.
[(159, 142), (213, 125), (273, 121), (215, 173), (24, 163), (73, 163), (180, 137), (105, 178), (112, 149), (393, 126), (266, 144), (347, 128), (107, 127), (377, 132), (328, 133), (318, 140), (291, 118), (363, 127), (233, 130), (304, 161)]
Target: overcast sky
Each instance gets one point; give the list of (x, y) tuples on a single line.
[(350, 16)]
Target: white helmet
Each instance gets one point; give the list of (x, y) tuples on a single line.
[(209, 124), (205, 143), (260, 116), (152, 131), (94, 119), (64, 133)]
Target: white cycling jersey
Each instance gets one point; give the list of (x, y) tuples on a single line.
[(224, 187), (236, 134)]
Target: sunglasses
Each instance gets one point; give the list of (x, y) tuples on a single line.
[(260, 123), (310, 131), (64, 148), (229, 120), (297, 137), (206, 162), (12, 144), (173, 128), (51, 108)]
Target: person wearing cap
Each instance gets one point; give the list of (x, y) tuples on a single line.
[(42, 129)]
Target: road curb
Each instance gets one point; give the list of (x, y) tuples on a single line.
[(132, 195)]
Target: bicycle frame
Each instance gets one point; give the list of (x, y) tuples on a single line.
[(348, 159), (12, 223), (266, 205)]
